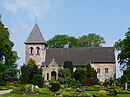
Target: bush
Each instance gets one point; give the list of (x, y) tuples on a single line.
[(69, 94), (3, 83), (42, 91), (38, 80), (85, 94), (123, 92), (59, 92), (102, 93), (54, 86)]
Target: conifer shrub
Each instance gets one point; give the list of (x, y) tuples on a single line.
[(38, 80), (54, 86)]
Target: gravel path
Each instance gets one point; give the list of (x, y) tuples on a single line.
[(5, 91)]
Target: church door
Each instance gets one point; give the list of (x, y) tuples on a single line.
[(53, 75)]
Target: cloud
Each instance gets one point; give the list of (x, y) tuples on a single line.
[(30, 8)]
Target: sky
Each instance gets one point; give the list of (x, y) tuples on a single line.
[(107, 18)]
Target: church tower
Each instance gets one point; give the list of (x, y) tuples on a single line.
[(35, 46)]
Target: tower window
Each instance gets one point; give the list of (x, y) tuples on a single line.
[(31, 51), (38, 51), (106, 70), (98, 70)]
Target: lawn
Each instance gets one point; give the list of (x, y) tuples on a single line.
[(30, 95), (42, 95)]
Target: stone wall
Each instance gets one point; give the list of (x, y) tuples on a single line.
[(103, 75)]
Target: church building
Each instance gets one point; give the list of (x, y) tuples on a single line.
[(51, 59)]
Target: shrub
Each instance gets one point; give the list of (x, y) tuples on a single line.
[(3, 83), (85, 94), (59, 92), (69, 94), (54, 86), (92, 80), (42, 91), (102, 93), (38, 80)]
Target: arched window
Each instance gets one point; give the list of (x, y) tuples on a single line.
[(37, 50), (31, 50)]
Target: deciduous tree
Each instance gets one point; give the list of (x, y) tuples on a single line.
[(8, 57), (91, 40), (123, 46), (62, 41)]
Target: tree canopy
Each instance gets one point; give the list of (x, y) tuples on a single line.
[(65, 41), (91, 40), (8, 57), (123, 46), (62, 41)]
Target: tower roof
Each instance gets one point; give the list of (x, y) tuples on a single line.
[(35, 36)]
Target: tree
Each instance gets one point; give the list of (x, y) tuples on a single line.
[(80, 75), (127, 73), (64, 76), (28, 71), (123, 46), (90, 72), (65, 41), (38, 80), (62, 41), (68, 64), (124, 79), (91, 40), (8, 57)]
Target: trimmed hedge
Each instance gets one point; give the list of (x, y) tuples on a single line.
[(54, 86), (38, 80)]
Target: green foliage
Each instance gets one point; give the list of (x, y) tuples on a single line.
[(69, 94), (68, 64), (90, 71), (54, 86), (44, 91), (38, 80), (109, 81), (93, 88), (32, 62), (91, 40), (28, 71), (123, 46), (86, 94), (102, 93), (80, 75), (124, 79), (8, 57), (127, 73), (65, 41), (64, 76), (62, 41)]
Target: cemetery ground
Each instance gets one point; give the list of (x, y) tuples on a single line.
[(19, 90)]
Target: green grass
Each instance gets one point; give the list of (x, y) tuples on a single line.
[(42, 95), (30, 95)]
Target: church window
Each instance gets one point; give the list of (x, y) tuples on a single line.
[(98, 70), (106, 70), (37, 50), (31, 50), (47, 76)]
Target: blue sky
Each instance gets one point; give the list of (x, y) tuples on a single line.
[(108, 18)]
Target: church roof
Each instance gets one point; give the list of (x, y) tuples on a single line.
[(79, 56), (35, 36)]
